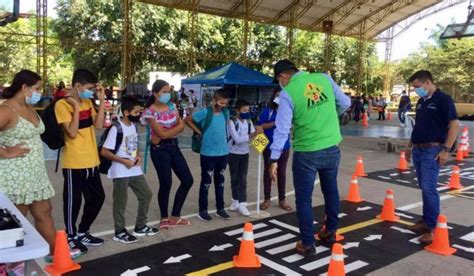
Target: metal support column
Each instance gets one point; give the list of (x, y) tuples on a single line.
[(127, 48), (362, 52), (192, 27), (42, 39), (291, 32), (387, 66), (246, 32), (328, 28)]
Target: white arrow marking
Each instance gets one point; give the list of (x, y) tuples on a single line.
[(351, 244), (403, 230), (364, 208), (341, 215), (468, 237), (403, 181), (220, 247), (403, 215), (467, 249), (416, 240), (173, 260), (135, 271), (393, 174), (384, 177), (373, 237)]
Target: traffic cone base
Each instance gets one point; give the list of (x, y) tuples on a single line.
[(454, 182), (247, 257), (62, 261), (336, 265), (353, 195), (388, 210), (440, 244)]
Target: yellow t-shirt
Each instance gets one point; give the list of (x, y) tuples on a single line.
[(80, 152)]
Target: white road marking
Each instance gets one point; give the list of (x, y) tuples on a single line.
[(317, 264), (403, 181), (173, 260), (264, 233), (364, 208), (351, 267), (406, 231), (468, 237), (373, 237), (416, 240), (420, 203), (384, 177), (284, 225), (241, 230), (403, 215), (134, 272), (282, 248), (467, 249), (442, 188), (220, 247), (393, 174), (277, 267), (296, 257), (341, 215), (274, 240)]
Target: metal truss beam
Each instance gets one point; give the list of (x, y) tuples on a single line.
[(127, 47), (377, 16), (362, 52), (405, 24), (338, 14)]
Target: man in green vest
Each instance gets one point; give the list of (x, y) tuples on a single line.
[(311, 102)]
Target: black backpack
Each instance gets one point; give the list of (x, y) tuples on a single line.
[(105, 163), (234, 120), (53, 136)]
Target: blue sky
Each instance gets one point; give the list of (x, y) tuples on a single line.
[(403, 45)]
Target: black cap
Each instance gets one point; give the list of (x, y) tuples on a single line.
[(282, 66)]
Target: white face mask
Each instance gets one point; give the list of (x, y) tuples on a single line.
[(277, 100)]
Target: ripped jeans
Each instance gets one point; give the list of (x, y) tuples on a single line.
[(212, 165)]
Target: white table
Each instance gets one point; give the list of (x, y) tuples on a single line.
[(34, 245)]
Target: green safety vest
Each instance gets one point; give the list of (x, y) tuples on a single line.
[(315, 118)]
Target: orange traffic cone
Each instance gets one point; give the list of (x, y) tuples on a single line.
[(402, 163), (389, 116), (247, 257), (359, 169), (353, 195), (454, 182), (62, 261), (338, 237), (459, 154), (336, 265), (440, 244), (365, 120), (388, 210)]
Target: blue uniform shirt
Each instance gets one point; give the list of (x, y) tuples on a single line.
[(268, 115), (433, 115)]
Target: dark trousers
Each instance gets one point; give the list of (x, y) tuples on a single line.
[(382, 115), (401, 115), (281, 174), (306, 166), (167, 158), (78, 183), (212, 165), (239, 166), (141, 190)]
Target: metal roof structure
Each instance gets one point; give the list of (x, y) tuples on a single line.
[(353, 18)]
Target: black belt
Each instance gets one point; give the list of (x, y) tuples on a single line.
[(172, 142), (426, 145)]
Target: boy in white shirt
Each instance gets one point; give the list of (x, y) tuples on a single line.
[(240, 130), (125, 172)]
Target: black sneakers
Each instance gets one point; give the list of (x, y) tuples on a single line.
[(124, 237), (75, 243), (204, 216), (88, 239), (145, 231), (222, 214)]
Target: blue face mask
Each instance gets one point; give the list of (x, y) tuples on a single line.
[(34, 99), (165, 98), (245, 115), (420, 91), (86, 94)]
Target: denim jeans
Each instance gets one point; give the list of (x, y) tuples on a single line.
[(212, 165), (166, 159), (427, 170), (401, 115), (306, 166)]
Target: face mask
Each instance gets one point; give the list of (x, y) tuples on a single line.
[(276, 100), (86, 94), (165, 98), (34, 99), (134, 119), (420, 91), (245, 115)]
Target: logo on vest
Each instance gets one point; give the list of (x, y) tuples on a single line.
[(314, 95)]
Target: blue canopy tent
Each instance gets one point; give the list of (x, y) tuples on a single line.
[(238, 80)]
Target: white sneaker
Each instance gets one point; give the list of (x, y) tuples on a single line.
[(243, 209), (234, 206)]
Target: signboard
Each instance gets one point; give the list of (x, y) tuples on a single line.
[(260, 142)]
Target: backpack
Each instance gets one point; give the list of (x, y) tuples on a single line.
[(234, 120), (105, 163), (53, 135), (196, 142)]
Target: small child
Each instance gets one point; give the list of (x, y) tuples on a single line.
[(240, 131), (126, 172)]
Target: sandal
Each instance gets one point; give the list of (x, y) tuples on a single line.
[(180, 222), (265, 204), (283, 205), (165, 224)]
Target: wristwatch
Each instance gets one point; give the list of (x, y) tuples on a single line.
[(446, 148)]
